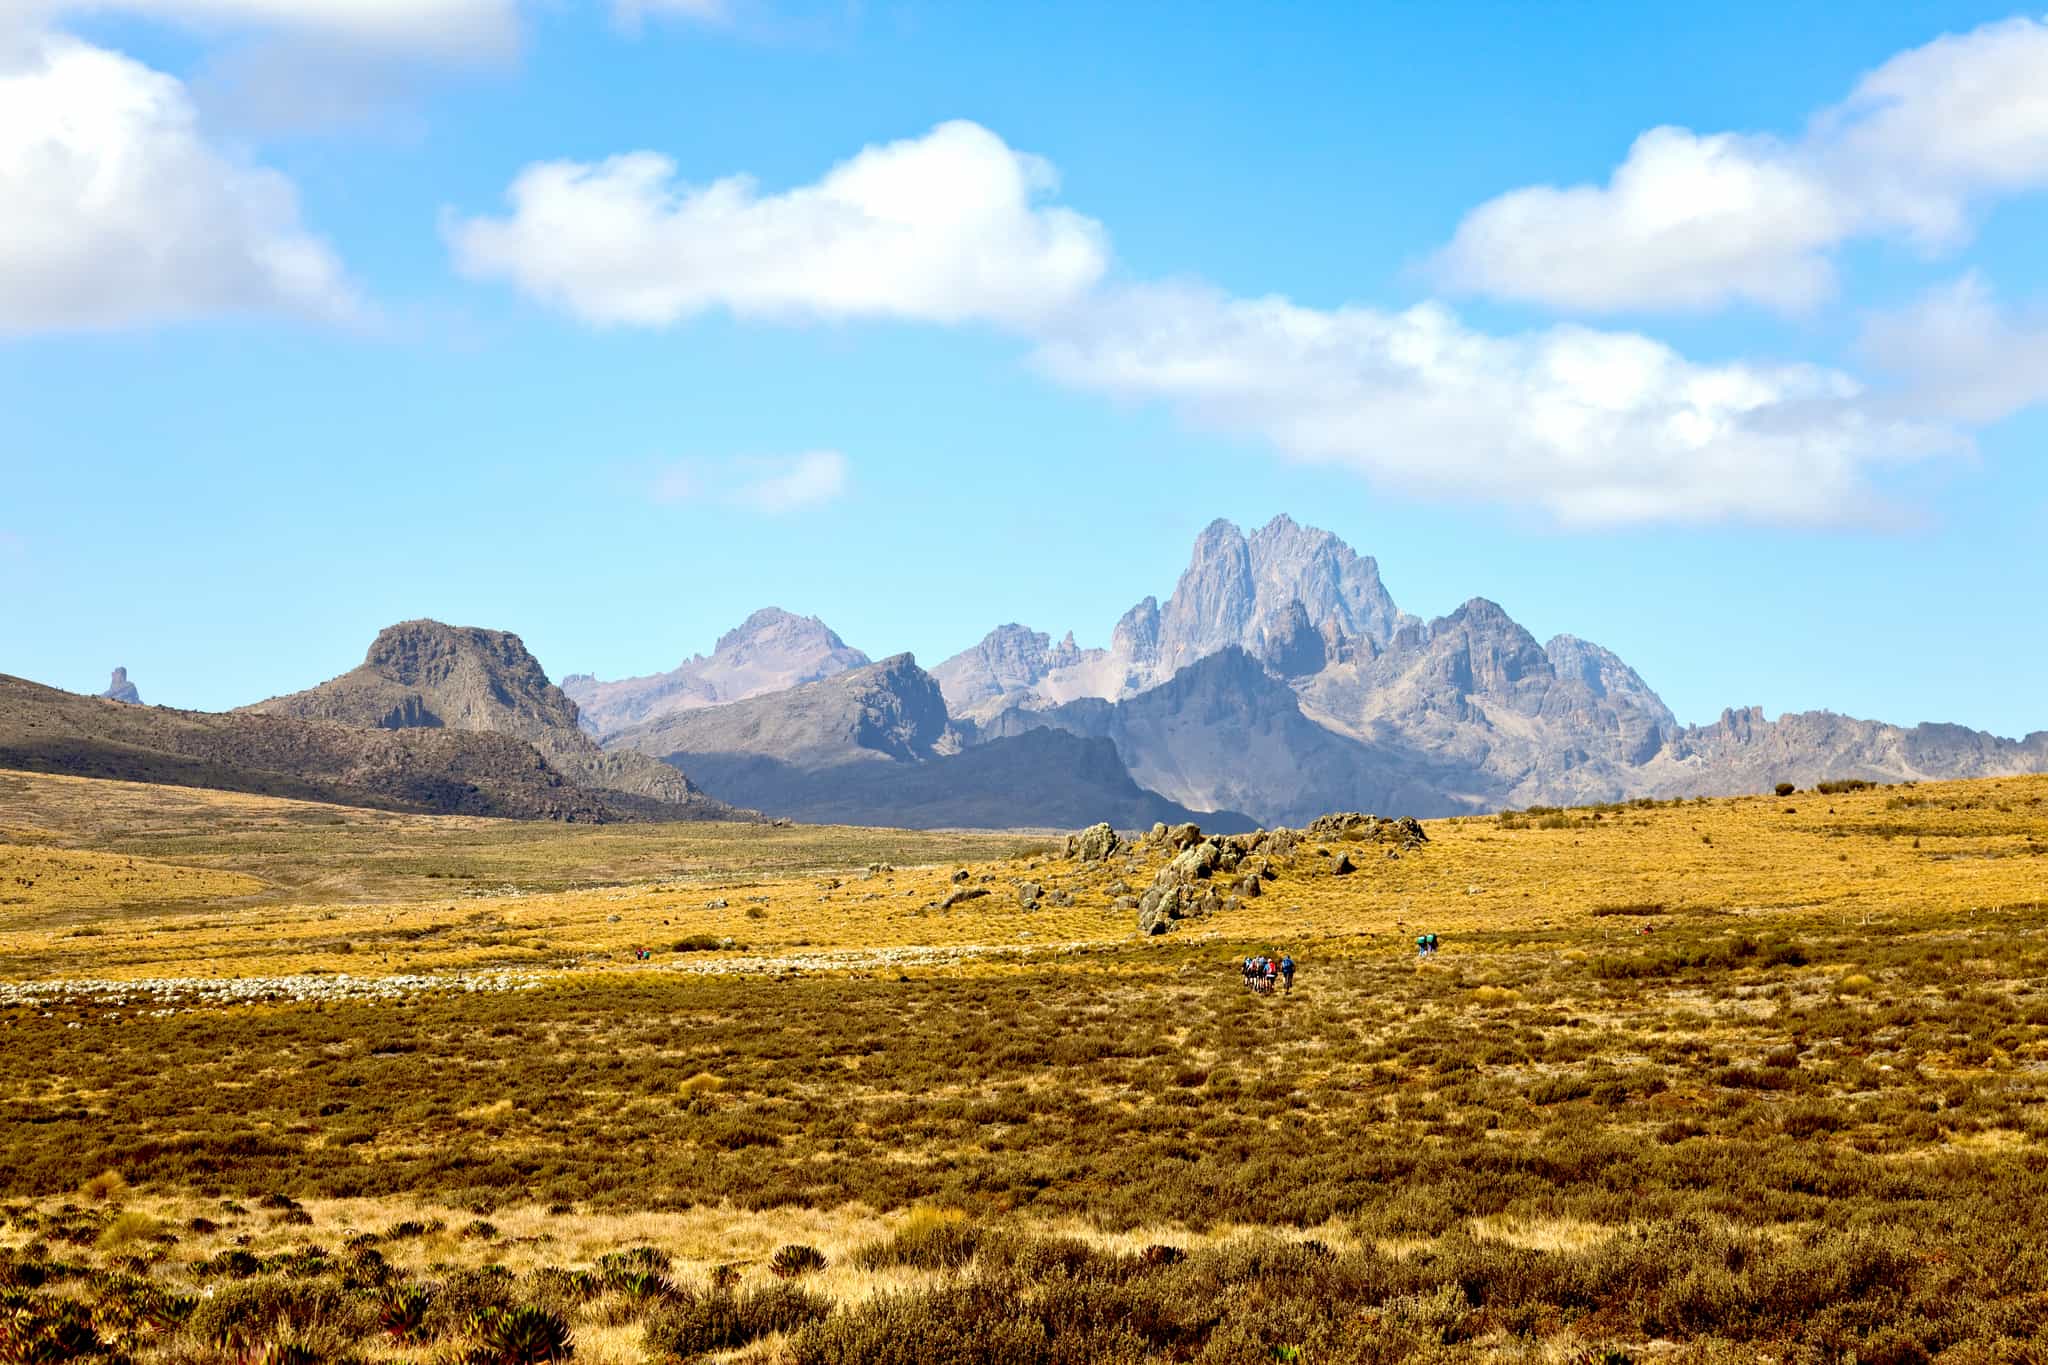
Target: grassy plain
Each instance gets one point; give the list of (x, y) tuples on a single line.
[(1757, 1078)]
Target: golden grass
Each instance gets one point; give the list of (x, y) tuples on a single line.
[(220, 884)]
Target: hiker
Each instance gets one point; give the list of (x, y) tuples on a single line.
[(1272, 974), (1287, 973)]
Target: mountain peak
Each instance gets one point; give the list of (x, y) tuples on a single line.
[(771, 651), (121, 690), (425, 653), (779, 628)]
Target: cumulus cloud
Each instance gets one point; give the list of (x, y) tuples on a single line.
[(1594, 427), (942, 228), (1692, 221), (766, 483), (1961, 354), (120, 212)]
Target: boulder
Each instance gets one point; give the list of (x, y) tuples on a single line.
[(1249, 886), (1193, 863), (1182, 836), (1060, 898), (1163, 897), (1094, 843), (1280, 843), (1028, 894), (1343, 866)]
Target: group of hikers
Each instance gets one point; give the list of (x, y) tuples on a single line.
[(1262, 973)]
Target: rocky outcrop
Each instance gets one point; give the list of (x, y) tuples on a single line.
[(771, 651), (121, 690), (424, 675), (1094, 844)]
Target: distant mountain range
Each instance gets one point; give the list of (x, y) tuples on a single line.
[(1278, 681), (1281, 680)]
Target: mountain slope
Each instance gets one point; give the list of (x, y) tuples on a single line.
[(1225, 733), (426, 675), (431, 771), (771, 651), (884, 712), (875, 746)]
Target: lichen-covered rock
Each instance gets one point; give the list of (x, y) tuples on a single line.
[(1095, 843), (1028, 894)]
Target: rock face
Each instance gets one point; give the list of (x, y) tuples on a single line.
[(1267, 593), (426, 675), (1010, 660), (771, 651), (1223, 733), (890, 711), (120, 689), (875, 746)]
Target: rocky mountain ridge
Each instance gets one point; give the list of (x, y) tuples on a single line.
[(876, 745), (1465, 712), (771, 651), (121, 690)]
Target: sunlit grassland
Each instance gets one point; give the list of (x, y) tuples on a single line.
[(364, 892), (1764, 1077)]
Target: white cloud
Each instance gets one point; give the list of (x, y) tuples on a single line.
[(1961, 355), (457, 29), (1691, 221), (767, 483), (120, 213), (1595, 428), (941, 228)]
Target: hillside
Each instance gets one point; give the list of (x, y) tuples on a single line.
[(423, 675), (440, 771)]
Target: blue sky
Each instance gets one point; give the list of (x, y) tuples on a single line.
[(321, 314)]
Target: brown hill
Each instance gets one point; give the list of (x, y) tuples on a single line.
[(423, 675), (46, 730)]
